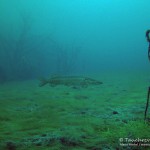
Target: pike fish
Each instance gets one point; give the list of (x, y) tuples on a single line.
[(69, 81)]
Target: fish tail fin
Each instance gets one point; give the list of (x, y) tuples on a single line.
[(43, 82)]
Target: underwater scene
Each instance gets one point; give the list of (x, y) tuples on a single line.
[(74, 74)]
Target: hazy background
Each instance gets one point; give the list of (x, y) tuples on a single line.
[(44, 37)]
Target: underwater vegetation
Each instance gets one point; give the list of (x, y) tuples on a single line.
[(14, 53), (68, 118)]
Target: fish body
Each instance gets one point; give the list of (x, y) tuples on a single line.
[(70, 81)]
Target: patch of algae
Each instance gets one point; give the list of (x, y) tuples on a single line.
[(63, 118)]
